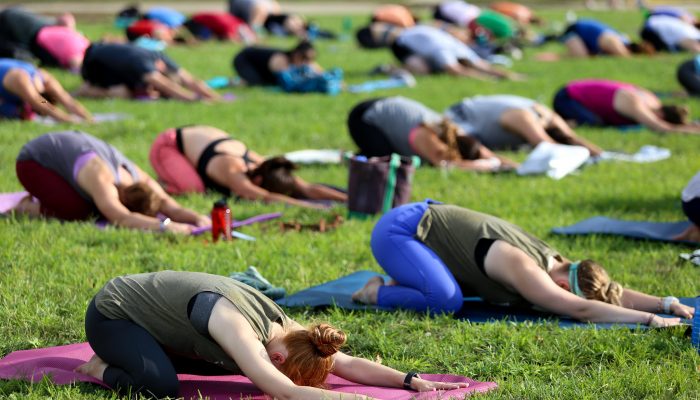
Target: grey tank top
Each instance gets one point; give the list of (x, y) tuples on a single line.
[(158, 301), (480, 116), (58, 151), (453, 232), (396, 117)]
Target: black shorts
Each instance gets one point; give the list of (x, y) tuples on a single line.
[(689, 77), (692, 210), (401, 52), (112, 64), (652, 37), (370, 139)]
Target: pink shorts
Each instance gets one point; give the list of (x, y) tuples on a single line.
[(174, 170)]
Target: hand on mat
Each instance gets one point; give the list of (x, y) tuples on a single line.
[(659, 322), (682, 310), (422, 385), (202, 221), (177, 227)]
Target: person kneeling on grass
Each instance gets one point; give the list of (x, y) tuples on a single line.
[(612, 103), (691, 207), (437, 253), (506, 122), (25, 89), (688, 74), (194, 158), (589, 37), (399, 125), (126, 71), (425, 49), (215, 325), (262, 65), (75, 176)]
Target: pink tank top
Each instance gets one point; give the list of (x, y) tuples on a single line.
[(598, 96), (63, 43)]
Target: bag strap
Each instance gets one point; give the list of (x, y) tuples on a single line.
[(390, 187), (415, 160)]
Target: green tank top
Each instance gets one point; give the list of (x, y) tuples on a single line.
[(158, 302), (453, 232)]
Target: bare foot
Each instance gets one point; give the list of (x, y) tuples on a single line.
[(95, 367), (368, 294), (27, 206), (692, 234)]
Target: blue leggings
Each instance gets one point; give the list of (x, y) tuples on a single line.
[(570, 109), (424, 281)]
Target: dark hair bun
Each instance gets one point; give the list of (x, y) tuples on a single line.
[(327, 339)]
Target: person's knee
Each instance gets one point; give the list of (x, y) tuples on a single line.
[(445, 300), (160, 387)]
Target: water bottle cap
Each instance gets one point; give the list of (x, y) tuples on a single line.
[(221, 203)]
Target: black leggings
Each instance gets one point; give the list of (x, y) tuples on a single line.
[(138, 364), (692, 210), (689, 77), (368, 138)]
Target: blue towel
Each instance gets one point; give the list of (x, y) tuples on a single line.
[(338, 292), (659, 231)]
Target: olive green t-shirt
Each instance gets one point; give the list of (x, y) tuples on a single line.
[(453, 232), (158, 302)]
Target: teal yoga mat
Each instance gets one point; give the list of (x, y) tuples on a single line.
[(658, 231), (337, 293)]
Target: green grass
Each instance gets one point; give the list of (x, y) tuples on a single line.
[(51, 270)]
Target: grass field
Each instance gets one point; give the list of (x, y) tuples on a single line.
[(50, 271)]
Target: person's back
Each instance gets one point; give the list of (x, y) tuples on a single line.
[(111, 64), (7, 64), (598, 97), (396, 117), (590, 30), (64, 45), (253, 65), (458, 12), (670, 31), (480, 116), (60, 152), (20, 26)]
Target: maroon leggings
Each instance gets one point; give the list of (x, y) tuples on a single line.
[(57, 197)]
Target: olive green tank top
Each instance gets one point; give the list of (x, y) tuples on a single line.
[(158, 302), (453, 232)]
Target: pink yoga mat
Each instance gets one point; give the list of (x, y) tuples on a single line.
[(59, 362), (8, 201)]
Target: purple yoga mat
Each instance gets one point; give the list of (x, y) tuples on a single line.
[(59, 362), (8, 201), (244, 222)]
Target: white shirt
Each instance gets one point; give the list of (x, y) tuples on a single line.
[(692, 190), (436, 46), (460, 12), (672, 30)]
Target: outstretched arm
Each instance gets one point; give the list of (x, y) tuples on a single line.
[(318, 192), (19, 83), (241, 185), (54, 88), (427, 145), (197, 85), (536, 286), (98, 181), (632, 105), (367, 372), (229, 328), (171, 208), (168, 87), (644, 302)]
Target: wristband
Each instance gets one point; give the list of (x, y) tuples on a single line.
[(164, 224), (407, 380), (668, 300), (651, 318)]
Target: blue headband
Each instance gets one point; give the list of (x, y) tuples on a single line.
[(573, 279)]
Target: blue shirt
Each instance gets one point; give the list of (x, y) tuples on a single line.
[(7, 64), (590, 30)]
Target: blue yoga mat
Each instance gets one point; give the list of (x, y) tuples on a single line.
[(338, 292), (659, 231)]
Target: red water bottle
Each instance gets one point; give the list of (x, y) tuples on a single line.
[(221, 221)]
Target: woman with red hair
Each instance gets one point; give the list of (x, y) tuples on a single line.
[(146, 328)]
